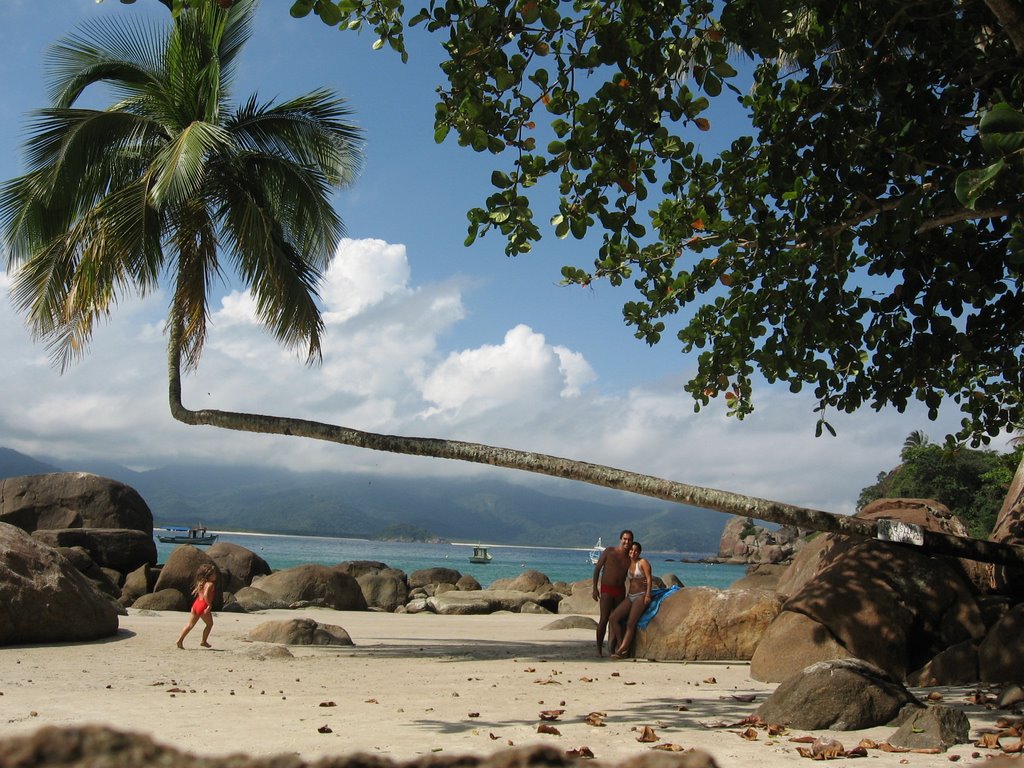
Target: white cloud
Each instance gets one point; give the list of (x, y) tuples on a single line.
[(385, 370)]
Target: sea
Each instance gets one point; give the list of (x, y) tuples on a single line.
[(507, 562)]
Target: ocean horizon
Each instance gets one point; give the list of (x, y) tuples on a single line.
[(558, 564)]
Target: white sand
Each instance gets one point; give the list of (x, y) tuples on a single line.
[(412, 685)]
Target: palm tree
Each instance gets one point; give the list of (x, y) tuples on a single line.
[(166, 180)]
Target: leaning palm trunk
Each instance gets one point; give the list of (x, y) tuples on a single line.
[(554, 466)]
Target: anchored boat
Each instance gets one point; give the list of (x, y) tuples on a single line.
[(480, 555), (197, 535)]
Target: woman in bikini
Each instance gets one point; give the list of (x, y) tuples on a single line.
[(205, 591), (638, 597)]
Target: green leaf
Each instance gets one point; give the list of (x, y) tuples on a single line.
[(971, 185), (301, 8), (1002, 118)]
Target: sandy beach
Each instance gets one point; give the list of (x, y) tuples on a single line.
[(412, 685)]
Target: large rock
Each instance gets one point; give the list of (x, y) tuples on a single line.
[(300, 632), (580, 599), (44, 599), (527, 581), (315, 585), (179, 573), (792, 642), (384, 590), (457, 602), (1001, 652), (892, 605), (936, 727), (705, 624), (238, 566), (427, 576), (122, 549), (839, 695), (72, 500)]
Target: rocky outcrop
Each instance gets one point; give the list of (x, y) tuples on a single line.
[(839, 695), (580, 599), (72, 500), (1000, 653), (705, 624), (891, 605), (179, 573), (238, 566), (44, 599), (743, 541), (384, 590), (456, 602)]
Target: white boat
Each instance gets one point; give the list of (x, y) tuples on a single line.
[(182, 535), (480, 555), (595, 553)]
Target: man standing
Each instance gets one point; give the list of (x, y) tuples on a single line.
[(611, 569)]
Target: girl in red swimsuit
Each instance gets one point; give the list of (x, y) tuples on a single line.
[(202, 607)]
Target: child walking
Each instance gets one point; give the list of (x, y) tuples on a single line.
[(202, 607)]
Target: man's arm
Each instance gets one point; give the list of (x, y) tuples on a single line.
[(597, 571)]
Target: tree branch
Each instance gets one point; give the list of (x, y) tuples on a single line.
[(1011, 19)]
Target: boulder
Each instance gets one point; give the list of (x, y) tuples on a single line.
[(122, 549), (300, 632), (169, 599), (731, 541), (527, 581), (793, 641), (72, 500), (136, 584), (427, 576), (357, 568), (837, 695), (314, 585), (100, 578), (45, 599), (467, 583), (760, 576), (705, 624), (455, 602), (580, 600), (238, 566), (1000, 653), (251, 599), (572, 622), (957, 665), (179, 572), (935, 727), (384, 590)]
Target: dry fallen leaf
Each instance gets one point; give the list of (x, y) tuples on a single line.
[(545, 728), (750, 734), (493, 737), (647, 735), (586, 679), (324, 729), (371, 701), (328, 704), (474, 714), (583, 752), (710, 680), (551, 714), (746, 697), (667, 747), (530, 669), (596, 719), (885, 746), (548, 681), (935, 696)]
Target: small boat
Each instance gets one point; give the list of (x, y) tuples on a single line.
[(197, 535), (595, 553), (480, 555)]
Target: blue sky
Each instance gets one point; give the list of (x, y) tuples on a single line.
[(425, 336)]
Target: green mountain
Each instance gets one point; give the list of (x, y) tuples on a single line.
[(532, 511)]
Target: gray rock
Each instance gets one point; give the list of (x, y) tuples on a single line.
[(238, 566), (179, 572), (252, 599), (314, 585), (433, 576), (300, 632), (935, 727), (383, 590), (467, 583), (72, 500), (572, 622), (163, 600), (838, 695), (45, 599), (137, 583), (1000, 653), (123, 549), (793, 641), (357, 568)]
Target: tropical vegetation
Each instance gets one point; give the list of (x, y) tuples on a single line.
[(970, 483)]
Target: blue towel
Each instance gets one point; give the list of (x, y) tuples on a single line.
[(657, 595)]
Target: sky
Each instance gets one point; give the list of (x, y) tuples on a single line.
[(425, 337)]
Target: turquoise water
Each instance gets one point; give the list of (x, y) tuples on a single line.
[(508, 562)]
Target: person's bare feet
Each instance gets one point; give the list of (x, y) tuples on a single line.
[(206, 645), (180, 645)]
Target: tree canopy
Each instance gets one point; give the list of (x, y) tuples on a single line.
[(861, 236)]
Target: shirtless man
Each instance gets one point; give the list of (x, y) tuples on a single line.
[(611, 569)]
